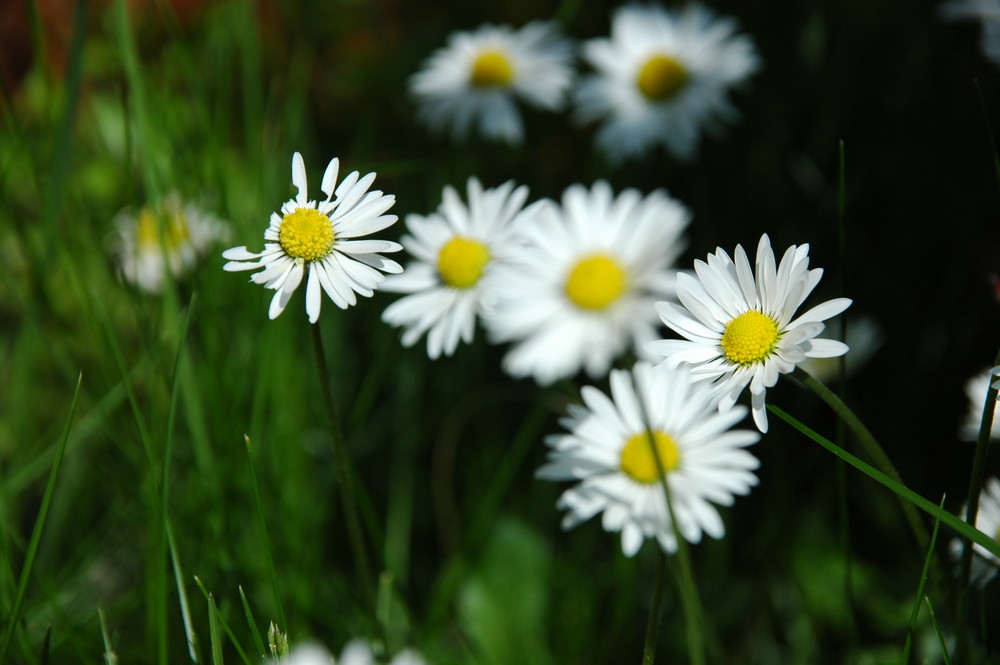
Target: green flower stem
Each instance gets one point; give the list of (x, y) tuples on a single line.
[(656, 609), (869, 443), (344, 473)]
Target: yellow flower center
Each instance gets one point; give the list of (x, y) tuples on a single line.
[(661, 77), (306, 233), (491, 69), (461, 262), (596, 282), (152, 230), (750, 338), (638, 462)]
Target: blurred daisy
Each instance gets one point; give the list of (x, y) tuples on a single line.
[(167, 239), (582, 288), (608, 450), (455, 248), (738, 327), (987, 12), (661, 77), (356, 652), (975, 390), (476, 78), (317, 240), (985, 563)]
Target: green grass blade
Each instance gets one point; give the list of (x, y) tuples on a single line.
[(937, 630), (213, 631), (189, 632), (215, 616), (14, 616), (110, 657), (915, 612), (258, 641), (962, 528), (265, 539)]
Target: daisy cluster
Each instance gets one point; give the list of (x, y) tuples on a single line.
[(658, 80)]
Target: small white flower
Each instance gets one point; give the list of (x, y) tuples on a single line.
[(356, 652), (608, 449), (582, 288), (661, 77), (318, 239), (987, 12), (738, 324), (476, 80), (975, 390), (455, 250), (985, 564), (167, 239)]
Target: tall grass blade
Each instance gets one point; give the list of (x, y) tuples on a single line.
[(110, 657), (214, 615), (258, 641), (962, 528), (14, 615), (213, 631), (915, 612), (937, 630)]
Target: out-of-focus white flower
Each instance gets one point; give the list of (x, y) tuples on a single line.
[(987, 12), (975, 390), (477, 79), (163, 240)]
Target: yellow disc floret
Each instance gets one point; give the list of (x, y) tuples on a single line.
[(638, 462), (461, 262), (661, 77), (596, 282), (155, 231), (306, 233), (749, 338), (492, 69)]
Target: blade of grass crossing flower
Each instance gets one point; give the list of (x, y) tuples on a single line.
[(962, 528), (215, 638), (919, 598), (14, 615), (110, 657), (258, 641), (264, 535)]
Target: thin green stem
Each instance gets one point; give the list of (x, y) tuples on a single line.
[(871, 446), (344, 473), (656, 609)]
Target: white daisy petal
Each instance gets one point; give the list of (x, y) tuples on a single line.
[(310, 237), (737, 322), (704, 461)]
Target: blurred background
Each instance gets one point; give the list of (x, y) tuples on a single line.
[(109, 107)]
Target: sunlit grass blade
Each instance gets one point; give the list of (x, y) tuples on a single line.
[(915, 612), (110, 657), (962, 528), (13, 616), (216, 620), (254, 631), (265, 535)]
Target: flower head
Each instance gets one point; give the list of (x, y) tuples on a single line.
[(737, 323), (661, 77), (582, 288), (610, 450), (168, 238), (985, 563), (455, 250), (317, 240), (475, 80), (356, 652)]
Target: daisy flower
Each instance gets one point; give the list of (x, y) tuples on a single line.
[(168, 239), (975, 390), (661, 77), (608, 449), (737, 323), (476, 78), (582, 288), (454, 250), (317, 240), (356, 652), (985, 564)]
